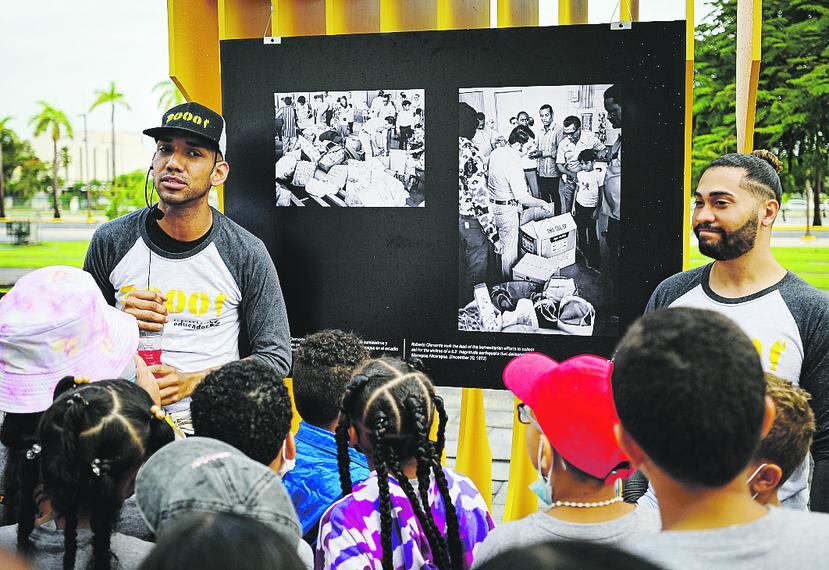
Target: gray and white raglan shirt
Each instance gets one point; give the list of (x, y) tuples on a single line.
[(223, 283), (788, 324)]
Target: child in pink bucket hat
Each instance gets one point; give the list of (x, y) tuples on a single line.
[(54, 323)]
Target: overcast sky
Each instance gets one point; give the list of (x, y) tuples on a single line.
[(62, 51)]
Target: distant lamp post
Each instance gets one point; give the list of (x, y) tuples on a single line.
[(808, 235), (89, 217)]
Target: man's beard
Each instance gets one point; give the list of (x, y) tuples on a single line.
[(731, 245)]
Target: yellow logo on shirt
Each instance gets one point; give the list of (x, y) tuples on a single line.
[(196, 303), (777, 350)]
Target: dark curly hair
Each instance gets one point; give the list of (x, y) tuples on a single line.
[(17, 434), (689, 389), (761, 168), (245, 404), (323, 365), (395, 403), (91, 442), (213, 541)]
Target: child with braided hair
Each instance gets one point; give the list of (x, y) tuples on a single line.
[(411, 512), (90, 444)]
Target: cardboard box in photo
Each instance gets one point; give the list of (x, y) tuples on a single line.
[(534, 268), (553, 238)]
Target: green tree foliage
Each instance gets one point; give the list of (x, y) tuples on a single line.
[(127, 194), (3, 123), (65, 161), (168, 95), (54, 121), (792, 116), (112, 97)]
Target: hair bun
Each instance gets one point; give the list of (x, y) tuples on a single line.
[(769, 157)]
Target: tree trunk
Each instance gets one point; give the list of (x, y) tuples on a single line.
[(2, 185), (112, 124), (818, 187), (55, 177)]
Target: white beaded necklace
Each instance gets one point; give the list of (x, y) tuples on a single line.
[(578, 505)]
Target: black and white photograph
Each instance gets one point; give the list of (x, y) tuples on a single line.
[(350, 148), (539, 179)]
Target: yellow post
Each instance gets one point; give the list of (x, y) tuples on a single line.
[(520, 500), (749, 27), (474, 454), (689, 127), (193, 35), (289, 383), (408, 15), (240, 19), (512, 13), (298, 17), (352, 16), (572, 12), (463, 14), (629, 10)]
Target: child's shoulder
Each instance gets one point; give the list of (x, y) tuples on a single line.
[(461, 485)]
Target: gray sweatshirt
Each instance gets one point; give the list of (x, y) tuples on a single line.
[(783, 538), (47, 548), (225, 285)]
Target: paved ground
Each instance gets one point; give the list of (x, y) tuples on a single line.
[(499, 414)]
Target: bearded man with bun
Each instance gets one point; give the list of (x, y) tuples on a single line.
[(737, 201)]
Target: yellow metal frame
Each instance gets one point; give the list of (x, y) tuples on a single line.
[(196, 26), (749, 53)]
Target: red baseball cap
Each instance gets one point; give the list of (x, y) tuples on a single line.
[(573, 403)]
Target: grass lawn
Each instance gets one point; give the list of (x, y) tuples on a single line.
[(810, 263), (43, 254)]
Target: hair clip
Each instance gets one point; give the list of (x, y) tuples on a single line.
[(81, 380), (77, 397), (360, 378), (99, 467), (156, 411), (416, 363), (33, 451)]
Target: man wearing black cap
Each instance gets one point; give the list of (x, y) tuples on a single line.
[(183, 268)]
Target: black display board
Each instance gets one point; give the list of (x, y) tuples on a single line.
[(391, 274)]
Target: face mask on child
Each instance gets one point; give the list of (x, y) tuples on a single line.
[(287, 464), (753, 475), (542, 487)]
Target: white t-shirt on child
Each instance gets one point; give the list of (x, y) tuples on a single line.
[(589, 183)]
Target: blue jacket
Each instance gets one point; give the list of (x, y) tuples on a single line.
[(314, 482)]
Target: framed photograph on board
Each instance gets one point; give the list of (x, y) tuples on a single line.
[(548, 245)]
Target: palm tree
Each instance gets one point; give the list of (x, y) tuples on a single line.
[(65, 159), (169, 95), (52, 119), (113, 97), (3, 122)]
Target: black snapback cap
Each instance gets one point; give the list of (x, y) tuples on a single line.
[(193, 118)]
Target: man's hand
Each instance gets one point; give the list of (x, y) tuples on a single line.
[(145, 379), (499, 246), (147, 307), (174, 385)]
